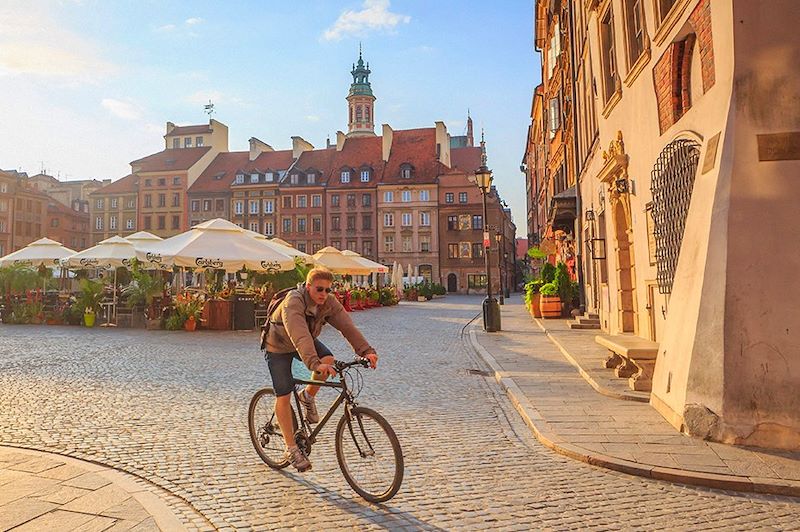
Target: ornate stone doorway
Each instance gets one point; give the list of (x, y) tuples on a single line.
[(626, 278)]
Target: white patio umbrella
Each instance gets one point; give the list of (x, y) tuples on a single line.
[(339, 263), (217, 244), (409, 273), (373, 266), (113, 252), (41, 252), (281, 246), (143, 238)]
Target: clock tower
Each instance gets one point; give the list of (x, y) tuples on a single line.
[(361, 101)]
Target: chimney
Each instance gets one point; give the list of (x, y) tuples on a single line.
[(170, 127), (386, 137), (442, 144), (257, 147), (299, 145), (340, 137)]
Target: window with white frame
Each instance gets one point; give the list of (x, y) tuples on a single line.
[(195, 205), (449, 198), (113, 203), (98, 223), (206, 205), (388, 196), (407, 244), (287, 225), (406, 219), (301, 225), (462, 197), (311, 178), (99, 204), (254, 227), (187, 142), (269, 206), (388, 244), (293, 179), (424, 195), (239, 179), (364, 176), (112, 223), (388, 220), (131, 203), (425, 243), (269, 230), (238, 207), (129, 223), (405, 196), (345, 176), (269, 177), (405, 172), (425, 219), (254, 178), (254, 206), (316, 200), (301, 201)]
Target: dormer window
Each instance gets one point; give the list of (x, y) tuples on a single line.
[(405, 171), (269, 177), (345, 176), (293, 179), (187, 142), (239, 179), (254, 178), (312, 178), (365, 176)]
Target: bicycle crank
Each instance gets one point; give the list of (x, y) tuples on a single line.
[(303, 443)]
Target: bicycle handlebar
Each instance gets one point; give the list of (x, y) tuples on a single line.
[(357, 361)]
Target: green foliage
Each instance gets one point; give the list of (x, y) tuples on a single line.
[(285, 279), (175, 322), (548, 273), (388, 297), (18, 278), (549, 289), (563, 282), (143, 287), (438, 289), (72, 314), (536, 253), (531, 290), (90, 296)]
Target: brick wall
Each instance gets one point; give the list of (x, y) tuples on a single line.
[(700, 19)]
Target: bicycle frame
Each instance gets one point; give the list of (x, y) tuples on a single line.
[(344, 396)]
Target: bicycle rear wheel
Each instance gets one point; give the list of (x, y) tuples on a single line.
[(265, 433), (369, 454)]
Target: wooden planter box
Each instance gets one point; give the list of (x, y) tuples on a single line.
[(550, 306), (217, 314)]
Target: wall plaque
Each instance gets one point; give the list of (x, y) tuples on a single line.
[(779, 146), (711, 153)]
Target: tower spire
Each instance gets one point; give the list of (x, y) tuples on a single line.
[(483, 149), (470, 138), (360, 99)]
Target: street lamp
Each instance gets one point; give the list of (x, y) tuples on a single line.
[(498, 238), (491, 310)]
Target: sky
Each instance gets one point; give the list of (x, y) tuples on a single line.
[(86, 86)]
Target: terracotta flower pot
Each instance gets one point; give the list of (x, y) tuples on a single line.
[(536, 309), (190, 324)]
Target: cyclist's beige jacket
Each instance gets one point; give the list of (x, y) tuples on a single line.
[(298, 321)]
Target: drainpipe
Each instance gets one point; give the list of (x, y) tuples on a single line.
[(578, 204)]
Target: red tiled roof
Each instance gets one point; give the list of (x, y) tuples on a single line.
[(54, 206), (321, 160), (416, 147), (170, 160), (124, 185), (270, 160), (189, 130), (220, 173), (465, 159), (357, 152)]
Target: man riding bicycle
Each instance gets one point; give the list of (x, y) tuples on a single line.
[(293, 330)]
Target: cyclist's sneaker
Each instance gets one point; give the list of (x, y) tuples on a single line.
[(298, 459), (310, 406)]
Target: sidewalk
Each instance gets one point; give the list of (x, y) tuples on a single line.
[(554, 378), (43, 491)]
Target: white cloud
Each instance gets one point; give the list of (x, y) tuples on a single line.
[(33, 43), (374, 16), (193, 21), (122, 109), (166, 28), (312, 118)]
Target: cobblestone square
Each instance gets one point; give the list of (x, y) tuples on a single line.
[(170, 408)]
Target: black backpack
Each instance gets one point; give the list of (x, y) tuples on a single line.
[(276, 300)]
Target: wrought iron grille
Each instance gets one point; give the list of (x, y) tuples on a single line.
[(671, 184)]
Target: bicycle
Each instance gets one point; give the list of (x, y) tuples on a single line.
[(372, 446)]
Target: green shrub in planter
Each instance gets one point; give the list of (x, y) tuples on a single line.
[(548, 273), (549, 289)]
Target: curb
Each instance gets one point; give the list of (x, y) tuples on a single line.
[(551, 440), (145, 492), (586, 376)]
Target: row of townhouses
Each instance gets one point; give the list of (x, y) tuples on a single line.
[(406, 195)]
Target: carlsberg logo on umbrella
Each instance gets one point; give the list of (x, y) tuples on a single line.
[(208, 263), (153, 257), (270, 266), (89, 262)]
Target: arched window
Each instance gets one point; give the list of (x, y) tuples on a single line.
[(358, 113), (366, 113)]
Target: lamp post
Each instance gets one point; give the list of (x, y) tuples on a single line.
[(491, 310), (498, 238)]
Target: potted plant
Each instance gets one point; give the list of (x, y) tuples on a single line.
[(189, 307), (550, 301), (139, 296), (564, 286), (532, 297), (89, 300)]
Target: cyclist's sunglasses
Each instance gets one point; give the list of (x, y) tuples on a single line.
[(322, 289)]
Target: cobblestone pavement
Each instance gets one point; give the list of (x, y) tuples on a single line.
[(171, 407)]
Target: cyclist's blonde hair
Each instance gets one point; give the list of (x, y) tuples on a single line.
[(319, 273)]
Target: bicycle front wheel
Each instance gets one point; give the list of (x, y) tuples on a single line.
[(369, 454), (265, 433)]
